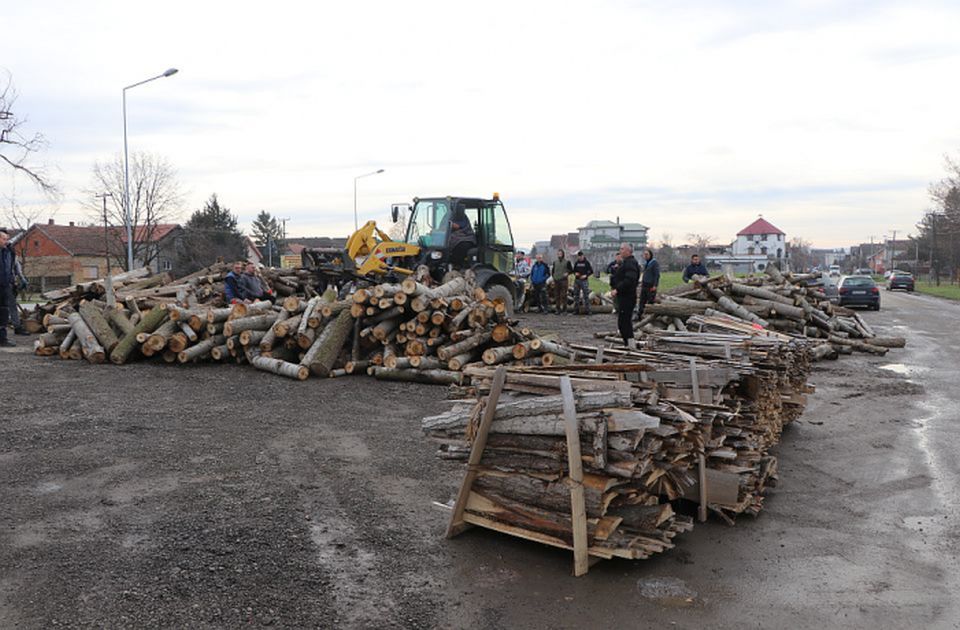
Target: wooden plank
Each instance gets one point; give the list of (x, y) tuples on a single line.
[(723, 488), (694, 380), (578, 511), (457, 524), (702, 465)]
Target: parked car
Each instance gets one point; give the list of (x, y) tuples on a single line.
[(834, 270), (900, 280), (863, 271), (859, 291)]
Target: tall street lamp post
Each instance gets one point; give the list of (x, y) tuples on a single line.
[(126, 167), (356, 223)]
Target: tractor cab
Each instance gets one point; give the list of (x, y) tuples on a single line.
[(460, 233)]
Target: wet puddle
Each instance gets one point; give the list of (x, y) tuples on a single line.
[(902, 368)]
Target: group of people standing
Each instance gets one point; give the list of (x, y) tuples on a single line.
[(561, 270)]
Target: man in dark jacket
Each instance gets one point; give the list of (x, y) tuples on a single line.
[(582, 270), (624, 284), (231, 284), (538, 280), (695, 268), (8, 262), (649, 282)]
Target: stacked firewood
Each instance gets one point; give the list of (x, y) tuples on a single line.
[(521, 485), (794, 304), (725, 399)]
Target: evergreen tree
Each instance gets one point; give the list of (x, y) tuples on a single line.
[(210, 234), (266, 228), (213, 217)]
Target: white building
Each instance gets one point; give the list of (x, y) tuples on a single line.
[(756, 246), (601, 239)]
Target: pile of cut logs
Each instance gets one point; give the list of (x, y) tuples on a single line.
[(405, 331), (790, 303)]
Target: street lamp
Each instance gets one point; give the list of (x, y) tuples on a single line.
[(126, 166), (356, 224)]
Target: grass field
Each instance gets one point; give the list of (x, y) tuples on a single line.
[(949, 291), (668, 280)]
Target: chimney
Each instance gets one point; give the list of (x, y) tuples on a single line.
[(71, 224), (49, 221)]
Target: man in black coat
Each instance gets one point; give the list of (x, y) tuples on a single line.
[(624, 284), (648, 282), (8, 276), (695, 268)]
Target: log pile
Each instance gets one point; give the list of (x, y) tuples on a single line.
[(793, 304), (406, 331), (138, 290)]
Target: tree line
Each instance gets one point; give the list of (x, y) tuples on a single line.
[(938, 233)]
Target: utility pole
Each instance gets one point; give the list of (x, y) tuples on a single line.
[(893, 250), (106, 232), (933, 248)]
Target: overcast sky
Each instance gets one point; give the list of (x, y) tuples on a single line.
[(829, 118)]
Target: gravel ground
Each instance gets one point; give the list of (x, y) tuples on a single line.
[(217, 496)]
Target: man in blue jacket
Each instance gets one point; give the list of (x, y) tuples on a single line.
[(8, 262), (538, 280), (231, 284)]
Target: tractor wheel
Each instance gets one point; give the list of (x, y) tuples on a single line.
[(495, 291)]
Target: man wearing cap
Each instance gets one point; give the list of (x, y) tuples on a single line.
[(582, 270)]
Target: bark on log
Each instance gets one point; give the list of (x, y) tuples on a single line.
[(147, 324), (444, 353), (283, 368), (201, 349), (120, 321), (266, 343), (326, 348), (92, 350), (94, 319), (256, 322), (438, 377)]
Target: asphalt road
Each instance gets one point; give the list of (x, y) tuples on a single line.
[(215, 496)]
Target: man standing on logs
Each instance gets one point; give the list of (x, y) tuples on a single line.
[(695, 268), (7, 277), (560, 272), (649, 282), (624, 283), (582, 270)]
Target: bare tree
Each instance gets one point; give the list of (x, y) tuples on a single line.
[(21, 218), (801, 256), (700, 242), (16, 144), (155, 198)]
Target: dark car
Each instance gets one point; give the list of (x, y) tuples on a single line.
[(859, 291), (900, 280)]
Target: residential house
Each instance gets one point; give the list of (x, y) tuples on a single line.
[(56, 256), (600, 239), (755, 247)]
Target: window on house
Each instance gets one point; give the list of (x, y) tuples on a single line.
[(166, 265), (763, 237), (91, 272), (763, 250), (750, 251)]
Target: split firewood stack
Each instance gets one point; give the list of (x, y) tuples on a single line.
[(794, 304), (714, 411), (520, 486), (405, 331)]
